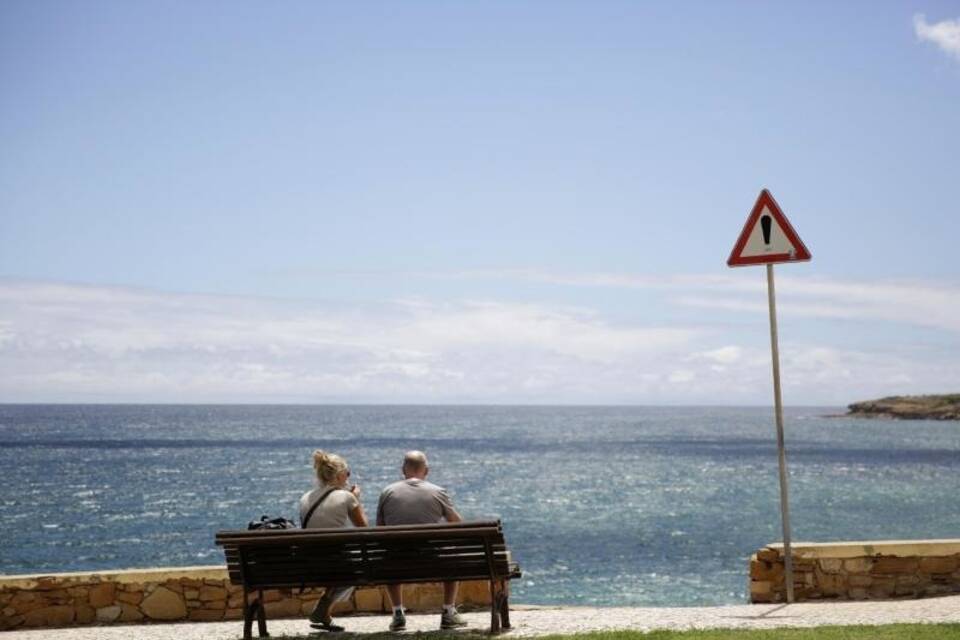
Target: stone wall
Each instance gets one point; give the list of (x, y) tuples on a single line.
[(858, 570), (189, 593)]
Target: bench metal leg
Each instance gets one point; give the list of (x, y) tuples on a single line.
[(247, 615), (251, 609), (495, 598), (505, 604), (261, 617)]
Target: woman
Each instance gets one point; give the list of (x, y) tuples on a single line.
[(331, 506)]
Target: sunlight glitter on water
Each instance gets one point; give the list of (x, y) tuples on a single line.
[(601, 505)]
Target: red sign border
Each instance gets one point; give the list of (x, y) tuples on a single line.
[(801, 253)]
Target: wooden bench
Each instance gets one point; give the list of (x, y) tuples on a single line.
[(298, 558)]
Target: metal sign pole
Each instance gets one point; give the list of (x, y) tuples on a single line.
[(778, 407)]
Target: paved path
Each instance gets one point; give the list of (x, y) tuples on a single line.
[(535, 621)]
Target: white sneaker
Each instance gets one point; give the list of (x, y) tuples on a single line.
[(452, 620)]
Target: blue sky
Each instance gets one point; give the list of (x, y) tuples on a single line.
[(474, 202)]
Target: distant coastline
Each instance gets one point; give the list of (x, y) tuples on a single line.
[(931, 407)]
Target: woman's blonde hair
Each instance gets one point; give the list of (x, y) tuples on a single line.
[(328, 465)]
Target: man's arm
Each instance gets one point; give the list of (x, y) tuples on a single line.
[(380, 518), (450, 514)]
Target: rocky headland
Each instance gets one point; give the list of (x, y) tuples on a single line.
[(934, 407)]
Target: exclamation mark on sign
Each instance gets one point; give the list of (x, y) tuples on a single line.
[(765, 226)]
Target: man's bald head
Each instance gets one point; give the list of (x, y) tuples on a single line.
[(415, 465)]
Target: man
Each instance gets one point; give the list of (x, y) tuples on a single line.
[(413, 500)]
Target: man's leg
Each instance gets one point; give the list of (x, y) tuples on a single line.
[(395, 591), (399, 621), (450, 618), (331, 595), (321, 612), (450, 593)]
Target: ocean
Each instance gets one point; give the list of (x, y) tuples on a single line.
[(600, 505)]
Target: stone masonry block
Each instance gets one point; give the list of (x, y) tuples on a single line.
[(429, 597), (270, 595), (130, 598), (760, 588), (102, 595), (164, 604), (306, 607), (56, 616), (129, 613), (288, 608), (85, 614), (882, 584), (174, 585), (857, 565), (109, 614), (891, 564), (368, 600), (946, 564), (760, 570), (831, 565), (833, 585), (768, 555), (341, 608), (860, 581), (475, 592), (219, 593)]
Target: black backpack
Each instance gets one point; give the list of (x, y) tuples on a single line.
[(267, 523)]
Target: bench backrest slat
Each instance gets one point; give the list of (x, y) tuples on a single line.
[(375, 555)]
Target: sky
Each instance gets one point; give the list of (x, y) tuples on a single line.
[(490, 202)]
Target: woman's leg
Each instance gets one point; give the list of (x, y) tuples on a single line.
[(321, 613)]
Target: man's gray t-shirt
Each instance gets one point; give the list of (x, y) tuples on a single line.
[(413, 501)]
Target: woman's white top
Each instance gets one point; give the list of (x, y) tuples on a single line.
[(333, 513)]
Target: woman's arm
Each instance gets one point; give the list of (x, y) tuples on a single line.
[(357, 516)]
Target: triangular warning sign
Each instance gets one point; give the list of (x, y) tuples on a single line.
[(767, 237)]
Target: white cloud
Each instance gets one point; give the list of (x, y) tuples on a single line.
[(724, 355), (919, 304), (62, 342), (681, 376), (945, 34), (115, 342)]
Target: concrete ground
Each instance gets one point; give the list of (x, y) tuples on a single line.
[(538, 621)]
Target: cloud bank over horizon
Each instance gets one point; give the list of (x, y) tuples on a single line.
[(63, 342)]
